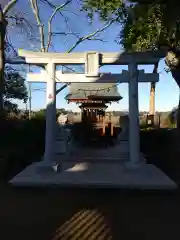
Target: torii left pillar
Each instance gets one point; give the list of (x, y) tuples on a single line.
[(50, 113)]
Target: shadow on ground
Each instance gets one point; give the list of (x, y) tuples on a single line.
[(79, 214), (53, 214)]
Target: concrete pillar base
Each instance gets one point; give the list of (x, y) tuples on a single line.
[(133, 165), (49, 167)]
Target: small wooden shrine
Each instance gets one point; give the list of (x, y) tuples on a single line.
[(93, 99), (94, 110)]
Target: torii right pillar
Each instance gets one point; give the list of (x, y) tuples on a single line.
[(134, 133)]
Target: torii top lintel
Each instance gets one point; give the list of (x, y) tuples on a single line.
[(104, 58)]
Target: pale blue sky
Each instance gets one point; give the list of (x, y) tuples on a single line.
[(167, 93)]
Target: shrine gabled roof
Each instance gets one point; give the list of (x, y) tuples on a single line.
[(93, 91)]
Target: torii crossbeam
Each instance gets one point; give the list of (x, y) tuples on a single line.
[(92, 61), (120, 175)]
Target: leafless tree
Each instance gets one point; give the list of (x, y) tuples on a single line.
[(3, 24), (45, 40), (95, 36)]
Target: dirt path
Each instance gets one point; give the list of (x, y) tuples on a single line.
[(27, 214)]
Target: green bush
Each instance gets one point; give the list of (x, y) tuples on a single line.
[(143, 124), (21, 142), (40, 114)]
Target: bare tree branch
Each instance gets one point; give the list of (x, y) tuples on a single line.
[(66, 34), (60, 12), (73, 13), (35, 9), (15, 19), (32, 45), (89, 36), (71, 69), (97, 39), (61, 88), (9, 6), (20, 21), (9, 45), (50, 23), (49, 3), (41, 27), (66, 20)]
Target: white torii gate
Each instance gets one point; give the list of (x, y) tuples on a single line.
[(92, 61)]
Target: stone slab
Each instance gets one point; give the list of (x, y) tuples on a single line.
[(60, 146), (100, 175)]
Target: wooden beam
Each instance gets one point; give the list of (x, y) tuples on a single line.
[(58, 58), (124, 77), (92, 64), (124, 58), (80, 58)]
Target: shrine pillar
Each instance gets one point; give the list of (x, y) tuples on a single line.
[(134, 142), (50, 113)]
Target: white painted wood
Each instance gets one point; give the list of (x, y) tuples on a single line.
[(105, 58), (123, 58), (92, 64), (50, 113), (37, 61), (92, 61), (134, 143), (37, 77), (124, 77)]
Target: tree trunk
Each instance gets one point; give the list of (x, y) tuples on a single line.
[(176, 75), (173, 62), (2, 36), (178, 115)]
